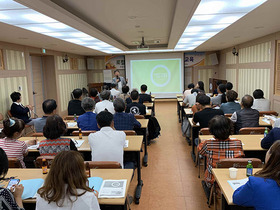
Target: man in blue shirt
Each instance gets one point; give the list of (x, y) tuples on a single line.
[(49, 107), (87, 121), (122, 120)]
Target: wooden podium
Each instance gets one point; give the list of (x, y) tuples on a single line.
[(98, 86), (213, 84)]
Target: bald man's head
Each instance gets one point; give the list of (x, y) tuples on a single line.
[(247, 101)]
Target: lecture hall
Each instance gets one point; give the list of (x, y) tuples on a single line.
[(139, 104)]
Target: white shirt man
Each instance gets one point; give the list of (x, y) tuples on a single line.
[(101, 106), (107, 145), (261, 104), (115, 93)]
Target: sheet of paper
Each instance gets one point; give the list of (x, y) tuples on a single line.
[(266, 120), (33, 146), (71, 124), (126, 143), (113, 189), (78, 143), (237, 183)]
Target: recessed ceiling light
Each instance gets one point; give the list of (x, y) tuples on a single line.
[(38, 29), (229, 19), (202, 17), (57, 25), (132, 17), (3, 17), (250, 3)]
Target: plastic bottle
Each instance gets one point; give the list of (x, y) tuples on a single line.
[(80, 134), (44, 166), (75, 118), (249, 168), (265, 132)]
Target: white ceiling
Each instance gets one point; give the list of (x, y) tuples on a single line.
[(121, 22)]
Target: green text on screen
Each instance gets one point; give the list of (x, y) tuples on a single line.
[(160, 75)]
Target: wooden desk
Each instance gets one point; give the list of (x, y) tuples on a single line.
[(222, 176), (24, 174), (263, 124), (188, 111), (179, 95), (250, 142), (149, 105)]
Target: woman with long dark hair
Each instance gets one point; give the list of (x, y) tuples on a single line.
[(262, 191)]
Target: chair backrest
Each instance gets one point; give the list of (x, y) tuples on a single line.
[(139, 116), (100, 165), (252, 130), (9, 113), (130, 132), (37, 135), (268, 113), (204, 131), (228, 115), (70, 117), (238, 163), (85, 133), (39, 161), (14, 163)]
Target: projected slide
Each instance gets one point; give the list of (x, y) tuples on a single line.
[(160, 75)]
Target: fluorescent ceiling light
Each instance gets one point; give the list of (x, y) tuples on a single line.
[(211, 17), (3, 17), (36, 29), (40, 18), (54, 34), (209, 7), (57, 25)]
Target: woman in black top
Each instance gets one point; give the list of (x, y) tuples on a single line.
[(9, 200)]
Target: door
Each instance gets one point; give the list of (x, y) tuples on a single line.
[(37, 84)]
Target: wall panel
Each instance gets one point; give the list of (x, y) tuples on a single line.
[(204, 75), (256, 53), (251, 79), (61, 65), (231, 77), (15, 60), (81, 64), (67, 83), (9, 85), (230, 58)]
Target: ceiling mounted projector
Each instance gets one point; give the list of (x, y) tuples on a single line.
[(142, 46)]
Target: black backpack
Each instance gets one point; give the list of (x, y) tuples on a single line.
[(153, 128)]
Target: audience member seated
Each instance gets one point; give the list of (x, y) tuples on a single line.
[(65, 186), (13, 129), (246, 117), (262, 190), (87, 121), (94, 95), (122, 120), (218, 82), (260, 103), (135, 108), (74, 106), (114, 92), (221, 97), (200, 87), (231, 106), (124, 95), (222, 147), (143, 97), (191, 98), (53, 130), (229, 86), (18, 110), (105, 103), (1, 117), (10, 199), (188, 91), (107, 144), (270, 138), (49, 107), (205, 113)]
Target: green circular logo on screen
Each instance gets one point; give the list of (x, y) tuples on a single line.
[(160, 75)]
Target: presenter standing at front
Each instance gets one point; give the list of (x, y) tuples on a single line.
[(119, 80)]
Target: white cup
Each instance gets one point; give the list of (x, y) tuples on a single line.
[(233, 173)]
